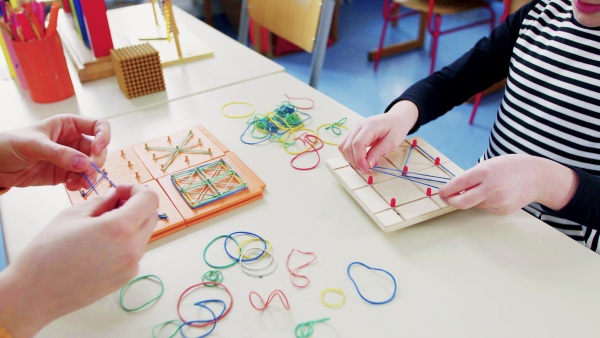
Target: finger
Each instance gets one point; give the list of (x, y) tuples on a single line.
[(62, 156), (138, 203), (467, 199), (359, 146), (380, 148), (346, 146), (465, 181), (99, 129)]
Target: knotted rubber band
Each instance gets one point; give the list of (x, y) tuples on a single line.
[(305, 329)]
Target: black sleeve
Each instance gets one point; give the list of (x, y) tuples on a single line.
[(479, 68), (584, 207)]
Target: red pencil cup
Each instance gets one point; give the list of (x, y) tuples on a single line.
[(45, 69)]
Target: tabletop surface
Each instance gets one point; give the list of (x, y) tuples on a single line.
[(465, 274), (232, 63)]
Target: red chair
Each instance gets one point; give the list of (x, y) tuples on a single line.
[(430, 12)]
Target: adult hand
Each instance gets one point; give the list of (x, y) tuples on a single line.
[(381, 133), (53, 151), (504, 184), (87, 252)]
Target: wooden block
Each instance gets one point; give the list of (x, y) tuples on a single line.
[(412, 205), (179, 163), (138, 70), (254, 191)]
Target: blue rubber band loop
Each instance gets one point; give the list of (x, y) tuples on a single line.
[(214, 321), (373, 269), (227, 237)]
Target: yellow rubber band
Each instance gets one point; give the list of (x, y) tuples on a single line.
[(238, 116), (334, 290), (243, 243)]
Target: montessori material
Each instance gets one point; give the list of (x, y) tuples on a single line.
[(138, 70), (402, 189), (194, 186)]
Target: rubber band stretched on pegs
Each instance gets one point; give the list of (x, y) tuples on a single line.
[(135, 280), (305, 329), (238, 103), (213, 321), (373, 269), (314, 150), (156, 330), (300, 98), (334, 290), (272, 295), (294, 272), (217, 318)]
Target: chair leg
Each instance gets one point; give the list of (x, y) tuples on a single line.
[(475, 106), (435, 36), (380, 48)]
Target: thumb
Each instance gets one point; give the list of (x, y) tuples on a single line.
[(379, 149), (60, 155)]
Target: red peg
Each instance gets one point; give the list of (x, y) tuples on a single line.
[(414, 144), (405, 170), (428, 192), (393, 203), (370, 181), (437, 161)]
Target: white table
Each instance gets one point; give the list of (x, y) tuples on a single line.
[(466, 274), (232, 63)]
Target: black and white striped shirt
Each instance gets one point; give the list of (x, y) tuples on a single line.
[(551, 106)]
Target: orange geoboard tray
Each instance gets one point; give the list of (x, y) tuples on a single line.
[(145, 163)]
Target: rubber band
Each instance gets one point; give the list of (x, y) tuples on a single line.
[(217, 318), (212, 276), (432, 158), (294, 272), (305, 329), (300, 98), (335, 127), (246, 241), (272, 295), (373, 269), (148, 303), (156, 330), (213, 321), (334, 290), (235, 260), (239, 258), (314, 150), (247, 270), (238, 103)]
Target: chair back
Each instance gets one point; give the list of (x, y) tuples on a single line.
[(305, 23)]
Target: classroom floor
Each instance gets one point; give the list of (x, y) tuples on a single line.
[(349, 78)]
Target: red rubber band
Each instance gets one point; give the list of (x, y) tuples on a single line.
[(278, 293), (183, 294)]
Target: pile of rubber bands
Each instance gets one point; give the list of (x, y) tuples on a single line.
[(286, 125)]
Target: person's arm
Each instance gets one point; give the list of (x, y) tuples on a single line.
[(482, 66), (85, 253), (583, 207), (53, 151)]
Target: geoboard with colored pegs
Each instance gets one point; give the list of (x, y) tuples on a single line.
[(402, 189), (195, 176)]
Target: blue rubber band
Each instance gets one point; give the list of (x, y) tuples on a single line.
[(239, 258), (373, 269)]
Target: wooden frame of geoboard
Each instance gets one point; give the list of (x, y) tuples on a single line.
[(412, 203), (135, 164)]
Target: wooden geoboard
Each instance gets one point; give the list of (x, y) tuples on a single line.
[(141, 163), (413, 201)]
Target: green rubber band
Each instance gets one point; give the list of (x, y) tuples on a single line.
[(305, 329), (214, 276), (148, 303), (218, 266), (157, 328)]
